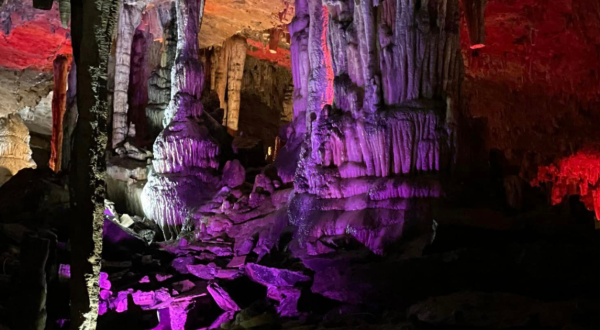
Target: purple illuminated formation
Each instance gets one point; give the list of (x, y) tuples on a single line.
[(389, 131), (375, 102), (186, 160)]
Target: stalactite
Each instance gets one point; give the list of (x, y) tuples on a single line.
[(318, 86), (227, 70), (159, 84), (130, 16), (219, 77), (59, 107), (70, 118), (274, 39), (93, 23), (138, 88), (288, 158), (475, 15), (64, 7), (300, 62), (236, 57)]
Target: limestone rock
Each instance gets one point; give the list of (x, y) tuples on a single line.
[(15, 153), (234, 174)]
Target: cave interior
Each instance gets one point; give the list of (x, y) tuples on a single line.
[(299, 164)]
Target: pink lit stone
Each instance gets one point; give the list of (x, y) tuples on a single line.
[(178, 314), (104, 282), (142, 298), (287, 298), (162, 278), (105, 294), (102, 307), (273, 276), (237, 262), (119, 303), (184, 286), (222, 298), (206, 272)]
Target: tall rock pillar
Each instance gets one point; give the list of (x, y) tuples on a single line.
[(383, 81), (185, 153)]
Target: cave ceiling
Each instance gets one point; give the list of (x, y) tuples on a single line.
[(549, 46)]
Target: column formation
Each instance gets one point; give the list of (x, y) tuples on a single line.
[(383, 79), (186, 156)]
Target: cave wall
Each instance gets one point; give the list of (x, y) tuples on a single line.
[(534, 87)]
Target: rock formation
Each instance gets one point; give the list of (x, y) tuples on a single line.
[(185, 154), (93, 24), (15, 153), (227, 64), (130, 16), (59, 108), (236, 57), (379, 104), (474, 13), (159, 84)]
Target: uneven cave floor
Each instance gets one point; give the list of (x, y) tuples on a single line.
[(481, 266)]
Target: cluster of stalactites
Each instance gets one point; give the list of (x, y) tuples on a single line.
[(227, 64), (382, 77), (184, 146), (130, 16), (393, 52), (578, 174), (159, 84)]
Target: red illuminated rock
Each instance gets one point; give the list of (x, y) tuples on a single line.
[(578, 174), (59, 108)]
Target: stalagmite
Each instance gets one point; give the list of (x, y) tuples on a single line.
[(93, 23), (185, 154), (475, 15), (236, 53), (130, 16), (59, 107)]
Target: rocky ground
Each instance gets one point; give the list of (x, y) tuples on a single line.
[(480, 266)]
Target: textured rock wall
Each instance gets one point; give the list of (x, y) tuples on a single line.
[(535, 81), (93, 23), (271, 83)]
